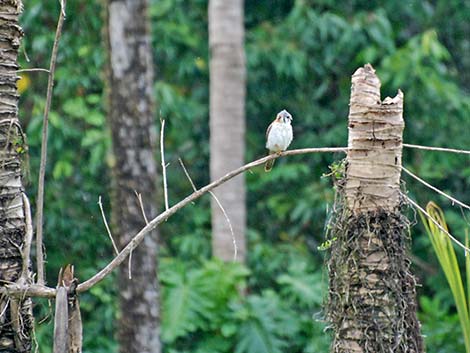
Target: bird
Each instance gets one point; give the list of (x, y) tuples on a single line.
[(278, 136)]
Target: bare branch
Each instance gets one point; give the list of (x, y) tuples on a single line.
[(195, 195), (27, 239), (42, 168), (440, 149), (234, 241), (141, 204), (162, 153), (107, 226), (441, 228), (24, 290), (454, 200), (35, 290), (232, 233), (187, 174), (142, 209), (129, 266), (33, 70)]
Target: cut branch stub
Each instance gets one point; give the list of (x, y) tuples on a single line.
[(375, 145)]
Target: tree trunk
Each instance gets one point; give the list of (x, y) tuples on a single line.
[(131, 118), (227, 124), (372, 298), (16, 320)]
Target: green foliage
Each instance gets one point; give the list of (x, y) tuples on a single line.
[(445, 253), (440, 327), (196, 299), (204, 309), (300, 56), (265, 325)]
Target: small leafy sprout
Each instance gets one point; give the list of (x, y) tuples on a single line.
[(326, 244), (337, 170), (19, 145)]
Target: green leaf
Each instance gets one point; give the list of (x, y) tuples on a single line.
[(197, 298), (443, 247), (266, 325), (302, 286), (75, 107)]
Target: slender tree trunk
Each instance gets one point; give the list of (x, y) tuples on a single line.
[(372, 303), (16, 320), (227, 124), (131, 117)]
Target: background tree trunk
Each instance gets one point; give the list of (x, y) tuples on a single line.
[(131, 117), (16, 320), (227, 123), (372, 299)]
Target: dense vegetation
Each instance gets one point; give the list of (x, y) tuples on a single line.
[(300, 56)]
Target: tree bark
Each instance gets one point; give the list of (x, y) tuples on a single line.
[(227, 124), (131, 118), (16, 320), (372, 298)]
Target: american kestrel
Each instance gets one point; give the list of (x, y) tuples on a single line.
[(278, 136)]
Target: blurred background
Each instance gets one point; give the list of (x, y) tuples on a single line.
[(300, 57)]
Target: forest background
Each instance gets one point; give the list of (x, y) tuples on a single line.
[(300, 56)]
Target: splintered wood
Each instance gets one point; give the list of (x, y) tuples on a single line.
[(374, 146)]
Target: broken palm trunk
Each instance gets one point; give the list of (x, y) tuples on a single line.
[(372, 296), (16, 320), (67, 317)]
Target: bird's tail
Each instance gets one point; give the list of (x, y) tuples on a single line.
[(269, 165)]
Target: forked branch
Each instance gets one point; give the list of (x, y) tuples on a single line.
[(195, 195)]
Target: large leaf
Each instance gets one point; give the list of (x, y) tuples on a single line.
[(302, 286), (184, 306), (266, 325), (198, 298)]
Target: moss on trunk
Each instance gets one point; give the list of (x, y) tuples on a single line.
[(372, 296)]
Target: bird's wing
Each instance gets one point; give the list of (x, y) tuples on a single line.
[(269, 129)]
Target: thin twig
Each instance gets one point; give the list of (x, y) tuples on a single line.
[(187, 174), (42, 168), (175, 208), (25, 53), (162, 153), (232, 233), (28, 237), (454, 200), (440, 149), (234, 240), (62, 7), (142, 209), (141, 204), (455, 240), (33, 70), (108, 230), (129, 265), (5, 308)]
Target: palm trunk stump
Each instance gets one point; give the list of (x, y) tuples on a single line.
[(372, 296), (16, 320)]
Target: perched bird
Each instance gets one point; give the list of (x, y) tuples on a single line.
[(278, 136)]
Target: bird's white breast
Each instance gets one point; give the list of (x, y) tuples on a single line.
[(279, 137)]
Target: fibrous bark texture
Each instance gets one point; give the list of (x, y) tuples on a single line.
[(131, 118), (16, 319), (227, 124), (372, 296), (375, 145)]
